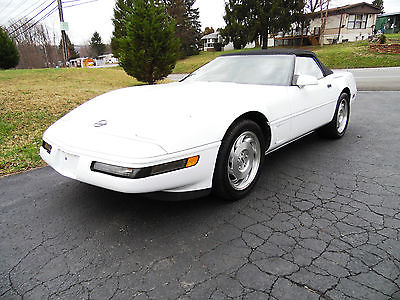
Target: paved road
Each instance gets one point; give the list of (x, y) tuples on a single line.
[(373, 79), (377, 79), (323, 222)]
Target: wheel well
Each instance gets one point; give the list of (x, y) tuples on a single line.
[(347, 91), (261, 121)]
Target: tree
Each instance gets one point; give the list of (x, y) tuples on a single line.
[(236, 29), (9, 56), (260, 18), (314, 5), (150, 49), (188, 28), (71, 52), (35, 46), (96, 45), (207, 30), (378, 4), (122, 9)]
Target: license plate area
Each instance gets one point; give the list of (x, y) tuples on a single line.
[(68, 162)]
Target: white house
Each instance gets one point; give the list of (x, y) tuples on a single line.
[(346, 23), (210, 40)]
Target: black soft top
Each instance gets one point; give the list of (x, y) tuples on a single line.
[(298, 52)]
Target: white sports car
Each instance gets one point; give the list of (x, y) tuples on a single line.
[(208, 133)]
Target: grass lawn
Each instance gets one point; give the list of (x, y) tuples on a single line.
[(347, 55), (31, 100)]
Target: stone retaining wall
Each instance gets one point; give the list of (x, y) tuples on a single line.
[(385, 48)]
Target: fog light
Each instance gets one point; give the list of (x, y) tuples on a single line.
[(114, 170)]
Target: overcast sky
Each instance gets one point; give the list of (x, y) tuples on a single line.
[(87, 18)]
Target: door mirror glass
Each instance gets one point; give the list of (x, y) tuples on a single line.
[(304, 80)]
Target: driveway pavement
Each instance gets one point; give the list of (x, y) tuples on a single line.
[(323, 223)]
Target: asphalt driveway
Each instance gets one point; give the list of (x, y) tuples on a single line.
[(323, 222)]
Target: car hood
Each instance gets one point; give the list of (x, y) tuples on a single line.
[(159, 119)]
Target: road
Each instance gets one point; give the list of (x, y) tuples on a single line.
[(377, 79), (373, 79), (323, 222)]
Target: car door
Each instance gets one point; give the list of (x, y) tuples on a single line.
[(313, 105)]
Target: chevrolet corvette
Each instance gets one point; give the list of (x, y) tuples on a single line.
[(209, 132)]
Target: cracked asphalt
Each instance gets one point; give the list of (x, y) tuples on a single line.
[(322, 223)]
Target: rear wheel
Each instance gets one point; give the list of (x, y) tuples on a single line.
[(337, 127), (239, 160)]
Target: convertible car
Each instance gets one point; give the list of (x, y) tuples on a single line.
[(207, 133)]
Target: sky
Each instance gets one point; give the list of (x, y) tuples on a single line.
[(89, 16)]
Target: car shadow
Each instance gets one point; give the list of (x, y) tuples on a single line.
[(106, 202)]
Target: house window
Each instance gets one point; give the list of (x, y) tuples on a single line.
[(357, 22)]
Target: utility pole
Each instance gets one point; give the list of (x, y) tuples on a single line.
[(63, 35)]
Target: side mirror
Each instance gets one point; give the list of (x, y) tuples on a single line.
[(304, 80)]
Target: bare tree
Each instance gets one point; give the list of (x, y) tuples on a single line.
[(324, 5), (34, 45), (314, 5)]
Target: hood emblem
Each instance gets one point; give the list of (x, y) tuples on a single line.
[(100, 123)]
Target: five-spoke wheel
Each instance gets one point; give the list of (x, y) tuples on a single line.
[(239, 160)]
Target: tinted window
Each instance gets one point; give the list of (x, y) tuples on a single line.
[(247, 69), (307, 66)]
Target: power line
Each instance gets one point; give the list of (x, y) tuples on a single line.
[(24, 17), (29, 7), (33, 17), (80, 3), (30, 26)]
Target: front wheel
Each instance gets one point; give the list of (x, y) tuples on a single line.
[(239, 160), (337, 127)]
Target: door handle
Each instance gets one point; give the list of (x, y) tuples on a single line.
[(329, 85)]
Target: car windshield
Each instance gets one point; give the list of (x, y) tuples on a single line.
[(246, 69)]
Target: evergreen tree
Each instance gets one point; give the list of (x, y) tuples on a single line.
[(71, 52), (258, 18), (150, 50), (378, 4), (122, 9), (9, 56), (188, 28), (96, 45), (236, 30)]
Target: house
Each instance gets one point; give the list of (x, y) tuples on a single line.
[(347, 23), (388, 23), (106, 59), (210, 41)]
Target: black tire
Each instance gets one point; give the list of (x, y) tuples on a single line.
[(336, 129), (245, 133)]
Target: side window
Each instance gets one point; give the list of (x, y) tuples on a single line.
[(307, 66)]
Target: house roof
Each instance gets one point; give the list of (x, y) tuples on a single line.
[(358, 8), (389, 14), (297, 52), (213, 35)]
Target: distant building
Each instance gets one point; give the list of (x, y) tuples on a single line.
[(106, 59), (81, 62), (210, 41), (388, 23), (347, 23)]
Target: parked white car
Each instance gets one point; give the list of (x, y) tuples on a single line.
[(208, 133)]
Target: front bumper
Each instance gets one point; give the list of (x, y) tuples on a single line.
[(77, 165)]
